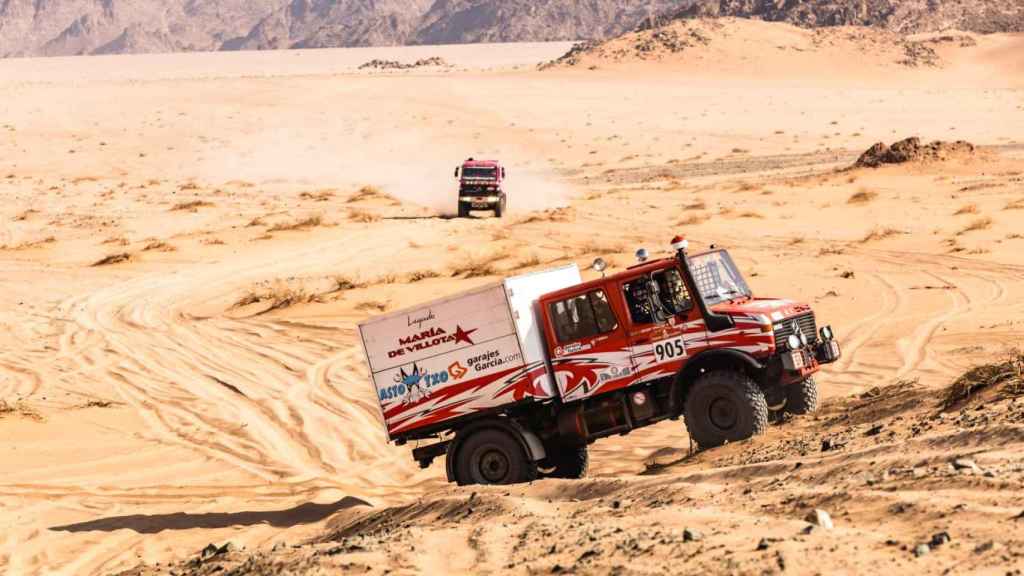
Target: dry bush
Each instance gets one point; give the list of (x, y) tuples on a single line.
[(979, 224), (364, 216), (1014, 236), (159, 245), (831, 251), (500, 234), (796, 240), (750, 214), (692, 220), (308, 222), (421, 275), (344, 283), (528, 262), (189, 186), (191, 206), (213, 242), (372, 305), (29, 244), (1015, 204), (966, 209), (725, 210), (479, 266), (276, 298), (257, 221), (880, 233), (862, 196), (22, 216), (318, 196), (113, 259), (119, 240), (1007, 377), (748, 187), (18, 408), (564, 214), (596, 246), (698, 205), (368, 193)]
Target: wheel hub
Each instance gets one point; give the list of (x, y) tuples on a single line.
[(723, 413), (494, 466)]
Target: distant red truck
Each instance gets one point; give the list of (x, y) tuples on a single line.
[(515, 379), (481, 187)]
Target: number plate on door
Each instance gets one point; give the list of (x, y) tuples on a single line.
[(671, 349)]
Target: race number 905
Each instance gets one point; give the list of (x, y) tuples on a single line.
[(669, 350)]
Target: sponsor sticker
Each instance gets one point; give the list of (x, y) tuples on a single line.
[(427, 339)]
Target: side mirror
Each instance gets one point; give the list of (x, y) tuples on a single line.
[(503, 173), (456, 171)]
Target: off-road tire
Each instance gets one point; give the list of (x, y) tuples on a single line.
[(566, 462), (463, 211), (492, 456), (499, 208), (802, 397), (725, 406)]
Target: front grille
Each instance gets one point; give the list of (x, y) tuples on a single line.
[(784, 329)]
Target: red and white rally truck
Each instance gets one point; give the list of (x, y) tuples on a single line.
[(481, 187), (514, 380)]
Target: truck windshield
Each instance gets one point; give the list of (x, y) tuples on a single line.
[(717, 277), (488, 172)]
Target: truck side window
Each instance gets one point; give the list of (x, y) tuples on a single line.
[(639, 303), (582, 316), (674, 296)]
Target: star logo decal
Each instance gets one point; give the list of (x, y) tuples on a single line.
[(463, 335)]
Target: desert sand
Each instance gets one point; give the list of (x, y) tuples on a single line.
[(187, 242)]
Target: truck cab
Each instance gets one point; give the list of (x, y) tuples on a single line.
[(481, 187)]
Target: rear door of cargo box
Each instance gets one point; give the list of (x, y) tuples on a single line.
[(443, 360)]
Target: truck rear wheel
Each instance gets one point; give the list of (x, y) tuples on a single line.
[(492, 456), (463, 211), (802, 398), (566, 462), (725, 406)]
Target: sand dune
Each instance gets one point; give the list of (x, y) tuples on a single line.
[(209, 387)]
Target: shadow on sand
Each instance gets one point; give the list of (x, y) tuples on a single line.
[(153, 523)]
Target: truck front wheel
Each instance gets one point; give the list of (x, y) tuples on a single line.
[(802, 397), (725, 406), (499, 209), (565, 462), (463, 211), (492, 456)]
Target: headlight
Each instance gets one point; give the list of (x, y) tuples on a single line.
[(793, 341), (803, 339)]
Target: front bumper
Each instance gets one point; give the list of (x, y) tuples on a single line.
[(802, 362), (480, 201)]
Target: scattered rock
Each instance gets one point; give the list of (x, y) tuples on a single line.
[(985, 547), (921, 550), (691, 535), (940, 539), (820, 518), (764, 544), (911, 150), (966, 464), (874, 430), (379, 64)]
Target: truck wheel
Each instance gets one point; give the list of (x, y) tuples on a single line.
[(725, 406), (802, 398), (566, 462), (492, 456), (463, 211), (499, 209)]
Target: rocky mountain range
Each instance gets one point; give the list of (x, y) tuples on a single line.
[(73, 27)]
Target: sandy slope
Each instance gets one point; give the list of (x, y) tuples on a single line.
[(153, 416)]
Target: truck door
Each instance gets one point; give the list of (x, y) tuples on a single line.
[(664, 328), (589, 351)]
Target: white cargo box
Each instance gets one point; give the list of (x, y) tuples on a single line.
[(466, 353)]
